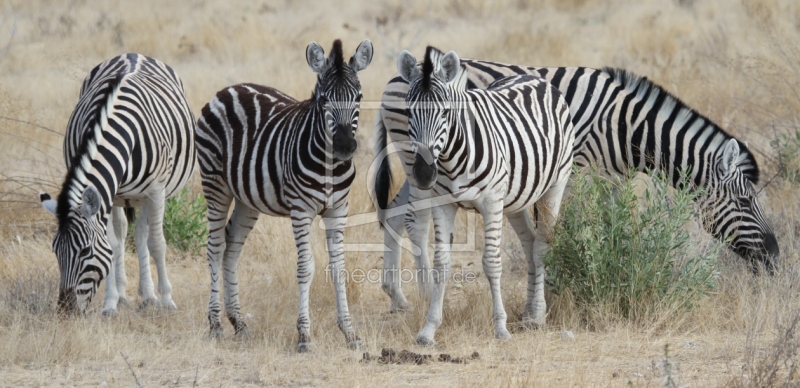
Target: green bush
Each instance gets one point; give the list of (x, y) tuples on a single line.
[(185, 223), (788, 149), (613, 253)]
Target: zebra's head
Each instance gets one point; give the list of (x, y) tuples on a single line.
[(430, 105), (81, 247), (339, 92), (732, 210)]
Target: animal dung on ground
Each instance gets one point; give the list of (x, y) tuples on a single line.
[(390, 356)]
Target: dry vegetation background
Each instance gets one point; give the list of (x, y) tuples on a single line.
[(736, 62)]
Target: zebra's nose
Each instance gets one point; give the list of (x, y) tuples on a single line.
[(67, 301), (772, 259), (344, 143), (425, 172)]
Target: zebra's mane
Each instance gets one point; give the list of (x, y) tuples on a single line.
[(82, 160), (337, 57), (641, 87), (427, 66)]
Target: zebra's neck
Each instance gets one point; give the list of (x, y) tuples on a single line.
[(82, 170)]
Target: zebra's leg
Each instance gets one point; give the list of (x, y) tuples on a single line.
[(219, 199), (335, 221), (301, 223), (117, 242), (547, 209), (417, 222), (393, 231), (492, 212), (141, 237), (121, 231), (526, 231), (154, 207), (443, 217), (241, 223)]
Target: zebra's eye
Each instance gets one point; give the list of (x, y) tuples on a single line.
[(85, 253), (744, 202)]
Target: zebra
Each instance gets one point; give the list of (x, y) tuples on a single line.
[(502, 150), (277, 156), (622, 121), (129, 143)]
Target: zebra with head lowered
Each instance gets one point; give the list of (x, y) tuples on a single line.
[(621, 121), (129, 143), (277, 156), (499, 151)]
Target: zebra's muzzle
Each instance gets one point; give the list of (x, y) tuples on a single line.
[(67, 302), (424, 173), (344, 143)]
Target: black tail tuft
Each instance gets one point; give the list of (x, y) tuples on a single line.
[(130, 214), (383, 177)]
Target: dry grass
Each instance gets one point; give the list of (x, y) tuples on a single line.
[(737, 63)]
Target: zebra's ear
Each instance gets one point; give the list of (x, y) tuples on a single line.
[(729, 156), (407, 66), (315, 56), (91, 202), (450, 66), (48, 203), (363, 56)]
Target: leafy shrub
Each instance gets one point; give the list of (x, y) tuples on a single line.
[(614, 254), (185, 224), (788, 149)]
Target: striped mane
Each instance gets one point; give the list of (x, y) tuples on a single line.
[(337, 57), (427, 66), (642, 87), (82, 159)]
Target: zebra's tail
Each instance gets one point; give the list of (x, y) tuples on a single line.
[(383, 178)]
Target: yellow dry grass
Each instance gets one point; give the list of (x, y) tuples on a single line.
[(736, 63)]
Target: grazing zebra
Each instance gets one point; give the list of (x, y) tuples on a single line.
[(622, 121), (129, 143), (499, 150), (281, 157)]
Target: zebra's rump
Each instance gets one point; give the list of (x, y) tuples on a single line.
[(147, 129)]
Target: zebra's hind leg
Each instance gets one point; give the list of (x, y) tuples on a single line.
[(335, 221), (526, 231), (141, 237), (219, 199), (393, 231), (154, 207), (547, 209), (301, 223), (241, 223)]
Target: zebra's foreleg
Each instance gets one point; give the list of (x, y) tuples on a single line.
[(417, 222), (154, 207), (113, 282), (219, 201), (301, 223), (492, 212), (393, 232), (334, 234), (241, 223), (443, 218)]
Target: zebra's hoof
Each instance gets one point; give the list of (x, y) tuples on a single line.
[(425, 341), (531, 324), (243, 332), (215, 332), (399, 308), (122, 302), (109, 312), (355, 345), (502, 334), (169, 305), (304, 347), (148, 303)]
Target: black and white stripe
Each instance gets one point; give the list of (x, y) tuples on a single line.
[(129, 143), (277, 156), (499, 151), (621, 121)]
